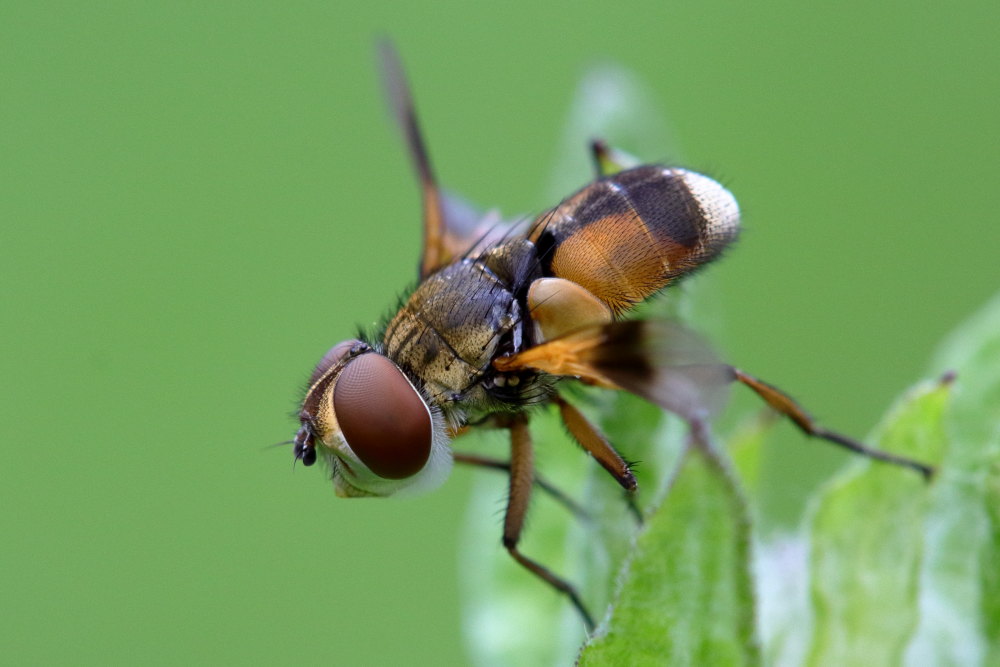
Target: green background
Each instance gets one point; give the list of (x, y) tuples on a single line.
[(198, 199)]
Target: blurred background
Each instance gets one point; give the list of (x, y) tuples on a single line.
[(197, 201)]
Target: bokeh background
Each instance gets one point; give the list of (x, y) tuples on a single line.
[(196, 200)]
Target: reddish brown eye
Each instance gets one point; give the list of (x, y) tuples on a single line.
[(332, 356), (382, 417)]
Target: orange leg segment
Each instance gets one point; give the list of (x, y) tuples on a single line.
[(787, 406), (595, 444)]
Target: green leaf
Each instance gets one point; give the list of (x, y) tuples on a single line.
[(867, 541), (960, 583), (686, 596), (902, 573), (990, 598)]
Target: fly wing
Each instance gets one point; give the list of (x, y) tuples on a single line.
[(663, 362), (452, 227)]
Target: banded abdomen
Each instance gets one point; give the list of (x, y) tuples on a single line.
[(627, 236)]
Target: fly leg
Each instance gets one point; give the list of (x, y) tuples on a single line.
[(522, 479), (590, 438), (787, 406), (548, 487)]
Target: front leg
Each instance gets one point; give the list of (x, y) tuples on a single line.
[(522, 478)]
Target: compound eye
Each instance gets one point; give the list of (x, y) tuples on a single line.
[(383, 418), (330, 359)]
